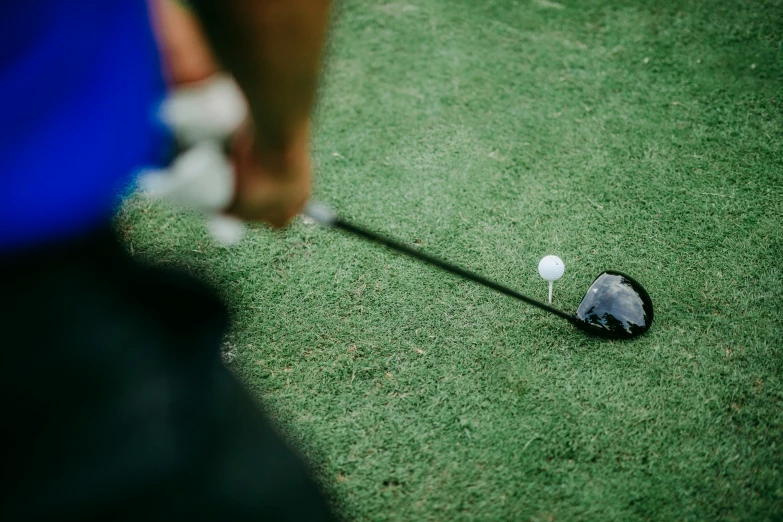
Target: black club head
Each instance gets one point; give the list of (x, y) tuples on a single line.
[(615, 306)]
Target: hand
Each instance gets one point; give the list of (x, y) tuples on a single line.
[(271, 186)]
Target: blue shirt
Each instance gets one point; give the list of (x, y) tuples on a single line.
[(80, 82)]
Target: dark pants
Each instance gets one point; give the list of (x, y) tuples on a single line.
[(115, 403)]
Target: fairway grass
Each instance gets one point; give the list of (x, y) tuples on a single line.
[(645, 137)]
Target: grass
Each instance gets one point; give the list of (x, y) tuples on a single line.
[(644, 136)]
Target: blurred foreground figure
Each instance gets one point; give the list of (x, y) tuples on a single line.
[(116, 404)]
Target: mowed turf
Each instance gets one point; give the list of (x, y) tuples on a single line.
[(642, 136)]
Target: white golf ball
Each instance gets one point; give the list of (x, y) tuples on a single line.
[(551, 268)]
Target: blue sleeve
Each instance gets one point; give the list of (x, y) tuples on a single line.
[(80, 83)]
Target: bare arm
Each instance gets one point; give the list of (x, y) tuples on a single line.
[(273, 48), (186, 55)]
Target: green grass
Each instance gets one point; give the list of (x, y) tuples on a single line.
[(644, 136)]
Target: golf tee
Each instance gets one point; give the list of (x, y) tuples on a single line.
[(550, 291)]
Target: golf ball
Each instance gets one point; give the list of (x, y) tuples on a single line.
[(551, 268)]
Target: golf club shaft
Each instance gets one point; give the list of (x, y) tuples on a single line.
[(356, 230)]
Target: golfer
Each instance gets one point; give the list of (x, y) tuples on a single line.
[(116, 405)]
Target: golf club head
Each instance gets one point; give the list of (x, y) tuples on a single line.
[(615, 306)]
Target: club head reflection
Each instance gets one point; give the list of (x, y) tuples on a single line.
[(615, 306)]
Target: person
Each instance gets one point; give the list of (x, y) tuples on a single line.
[(116, 403)]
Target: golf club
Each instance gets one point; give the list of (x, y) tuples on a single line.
[(615, 306)]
